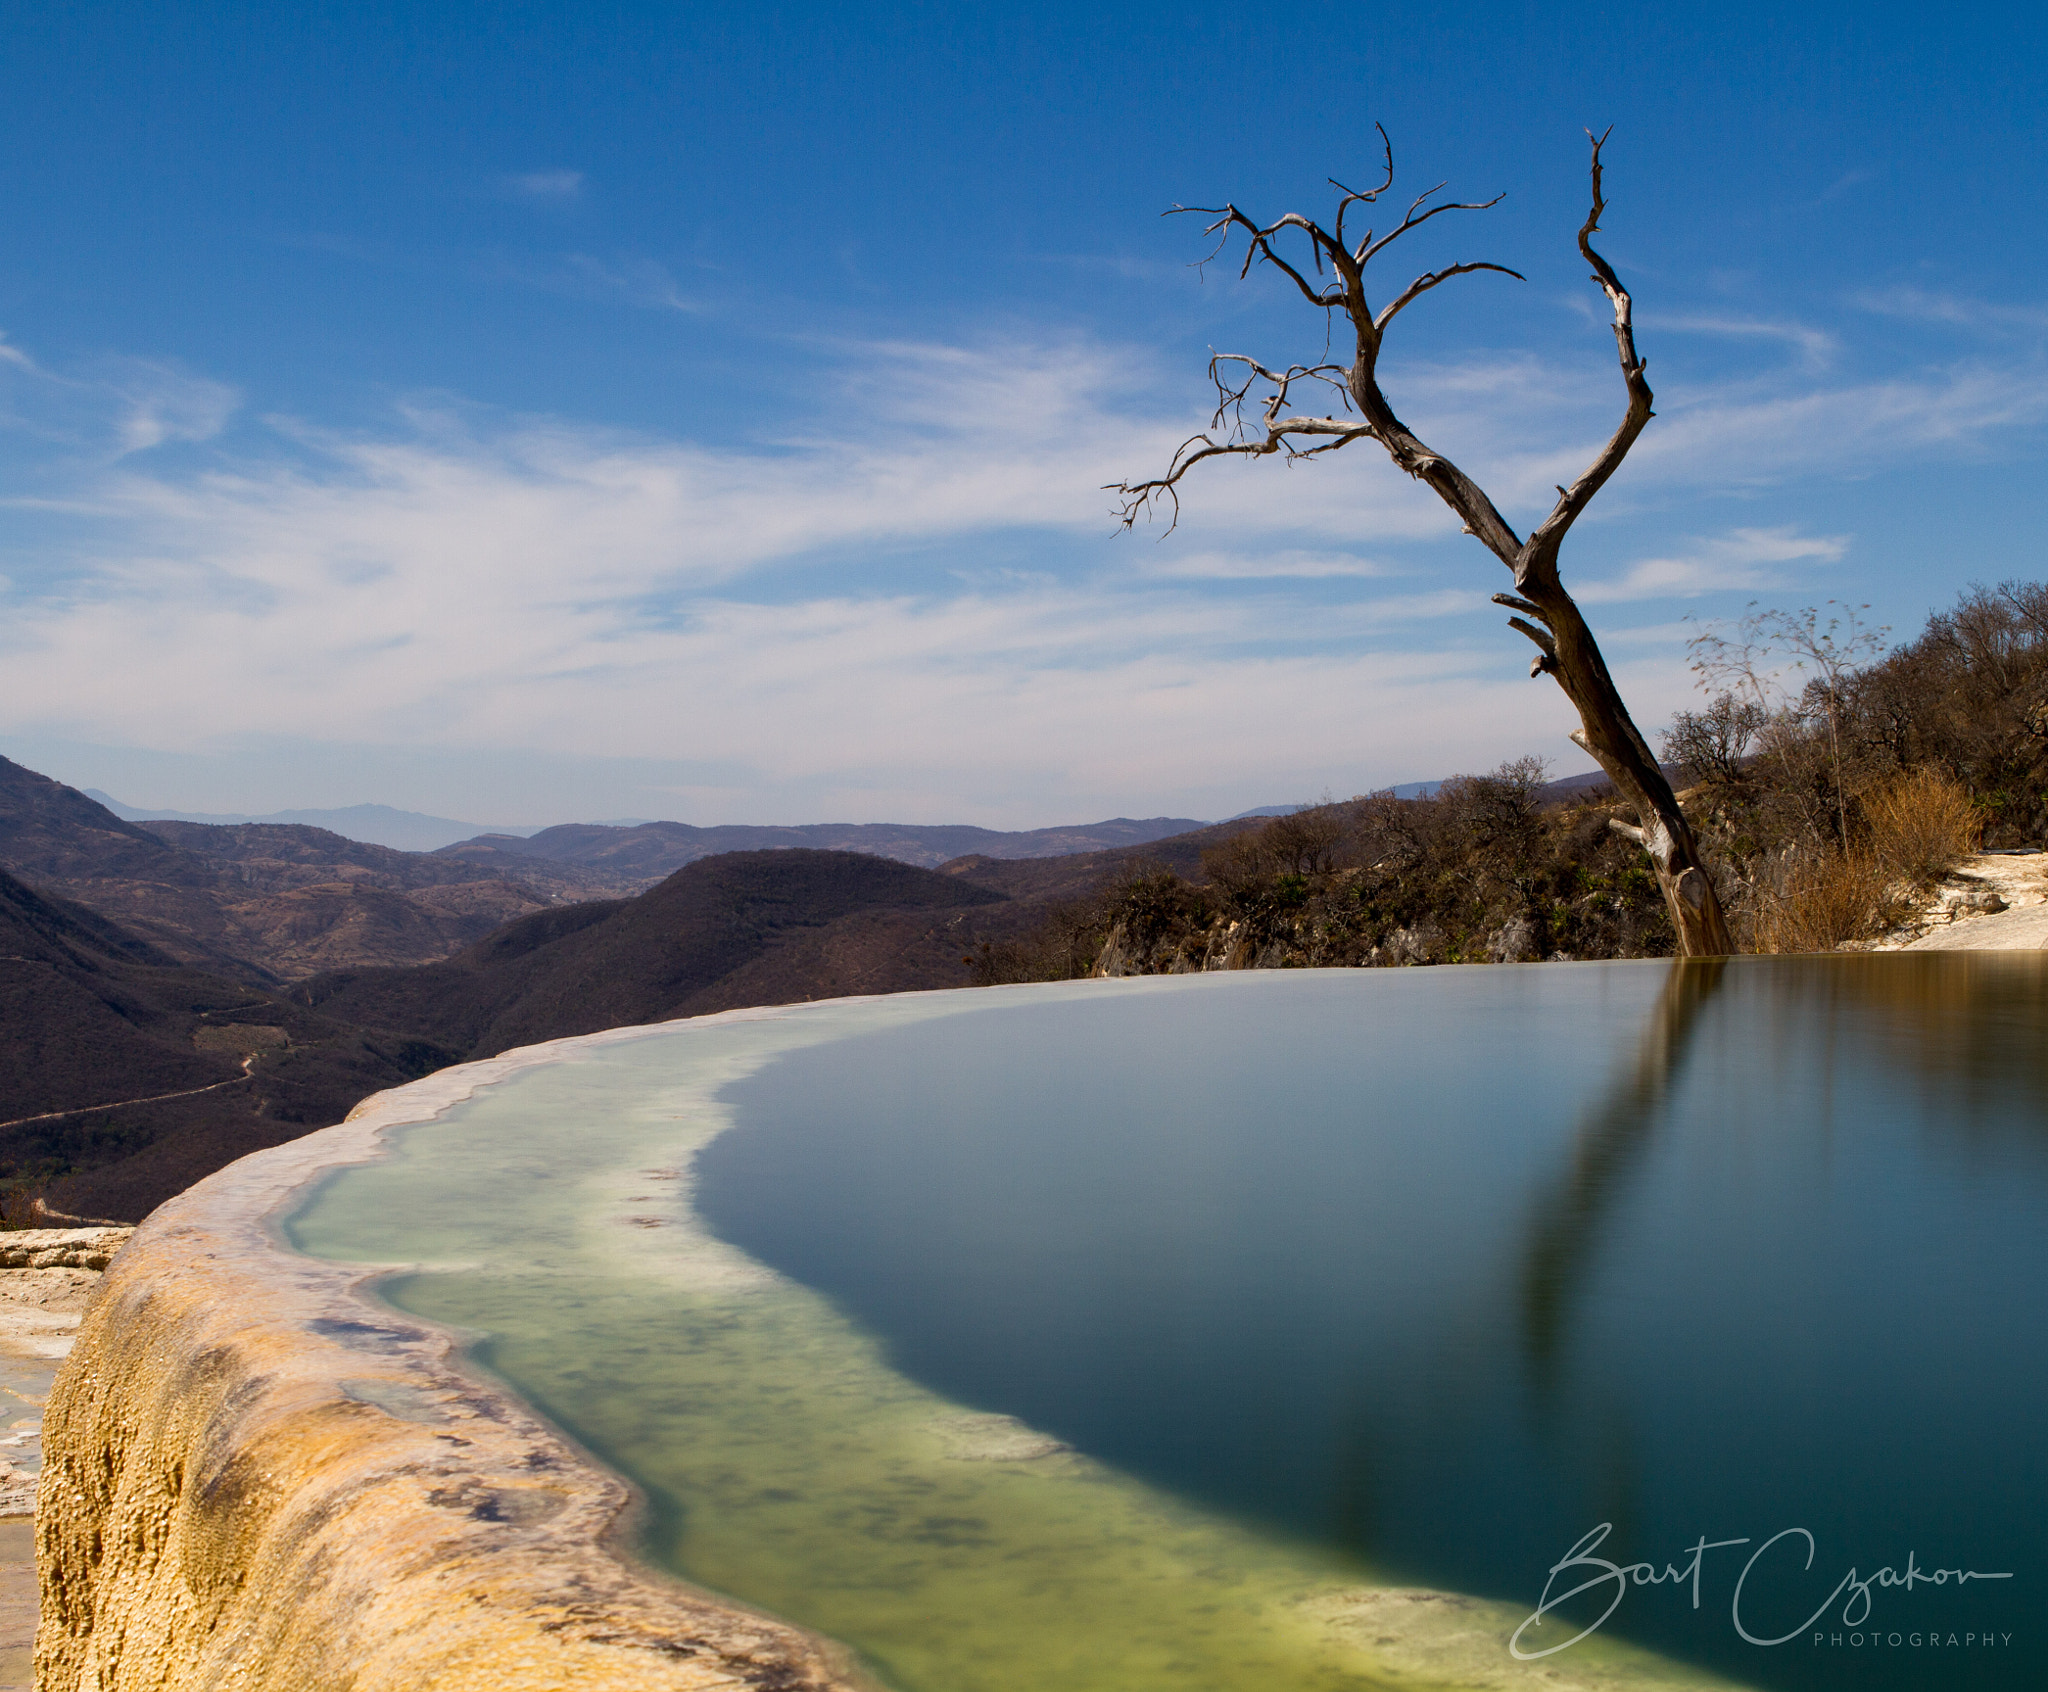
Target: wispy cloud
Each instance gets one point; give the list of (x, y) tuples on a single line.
[(627, 280), (110, 409), (1816, 347), (1931, 306), (473, 581), (1843, 183), (1734, 562), (543, 184), (637, 281), (1291, 565), (163, 403)]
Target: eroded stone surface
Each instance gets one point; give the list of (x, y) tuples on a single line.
[(40, 1311), (61, 1248), (17, 1605), (255, 1477)]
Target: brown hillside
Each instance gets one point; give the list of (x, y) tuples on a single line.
[(102, 1021), (264, 903), (739, 928), (98, 1022)]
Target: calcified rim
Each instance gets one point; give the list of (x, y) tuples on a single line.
[(258, 1475)]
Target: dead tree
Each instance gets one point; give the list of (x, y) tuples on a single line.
[(1546, 613)]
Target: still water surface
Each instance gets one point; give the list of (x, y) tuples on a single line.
[(1287, 1329)]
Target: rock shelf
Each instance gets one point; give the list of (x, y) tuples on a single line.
[(256, 1476)]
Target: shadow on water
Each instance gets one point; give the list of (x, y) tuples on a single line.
[(1569, 1223)]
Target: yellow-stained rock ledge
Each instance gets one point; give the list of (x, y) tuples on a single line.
[(256, 1478)]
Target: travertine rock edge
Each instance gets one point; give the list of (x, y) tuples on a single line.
[(61, 1248), (254, 1477)]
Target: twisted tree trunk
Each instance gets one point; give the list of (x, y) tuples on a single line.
[(1617, 747), (1566, 649)]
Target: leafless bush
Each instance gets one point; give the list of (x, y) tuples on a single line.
[(1816, 901), (1240, 865), (1306, 842), (1711, 746), (1391, 833), (1062, 948), (1303, 843), (1499, 806), (1921, 823), (18, 1207)]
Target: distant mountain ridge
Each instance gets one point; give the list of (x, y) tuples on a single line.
[(658, 849), (375, 825), (675, 951), (649, 849), (264, 902), (270, 902), (1563, 789)]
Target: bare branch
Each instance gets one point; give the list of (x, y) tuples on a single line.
[(1259, 245), (1629, 830), (1370, 250), (1139, 497), (1523, 606), (1230, 400), (1353, 198), (1428, 280), (1545, 613), (1550, 533)]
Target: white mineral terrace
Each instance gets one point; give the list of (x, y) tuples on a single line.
[(256, 1476)]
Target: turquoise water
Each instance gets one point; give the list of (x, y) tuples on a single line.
[(1286, 1329)]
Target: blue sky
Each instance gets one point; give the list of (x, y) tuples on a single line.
[(533, 412)]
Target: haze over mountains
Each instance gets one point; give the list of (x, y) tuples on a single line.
[(377, 825), (651, 850), (910, 843), (262, 903)]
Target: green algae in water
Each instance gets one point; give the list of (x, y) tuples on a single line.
[(787, 1465)]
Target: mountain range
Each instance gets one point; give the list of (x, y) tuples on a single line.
[(263, 903), (655, 849), (269, 902), (121, 1061), (178, 994), (377, 825)]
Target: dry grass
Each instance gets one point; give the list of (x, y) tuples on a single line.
[(1818, 901), (1921, 825), (18, 1207)]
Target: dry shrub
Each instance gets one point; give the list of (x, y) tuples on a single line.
[(18, 1207), (1921, 824), (1817, 901)]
